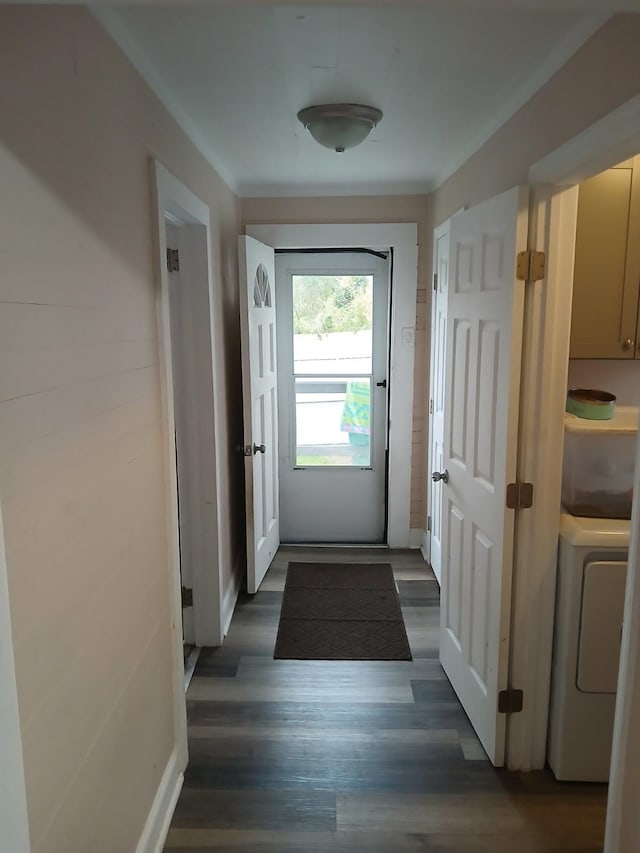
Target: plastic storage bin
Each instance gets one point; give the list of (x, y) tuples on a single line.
[(598, 464)]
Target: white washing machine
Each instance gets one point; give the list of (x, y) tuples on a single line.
[(592, 570)]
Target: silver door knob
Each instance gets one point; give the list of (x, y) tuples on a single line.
[(258, 448), (437, 476)]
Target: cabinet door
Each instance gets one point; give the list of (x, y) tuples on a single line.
[(607, 265)]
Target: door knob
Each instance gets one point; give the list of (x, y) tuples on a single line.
[(437, 475), (258, 448), (628, 344)]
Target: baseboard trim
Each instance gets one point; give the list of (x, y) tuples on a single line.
[(231, 596), (157, 825), (416, 535), (424, 545)]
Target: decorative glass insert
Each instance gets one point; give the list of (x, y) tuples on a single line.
[(262, 288)]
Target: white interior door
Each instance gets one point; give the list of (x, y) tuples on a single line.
[(437, 385), (259, 390), (333, 355), (484, 345)]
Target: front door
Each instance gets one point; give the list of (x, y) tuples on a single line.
[(484, 346), (259, 383), (333, 310)]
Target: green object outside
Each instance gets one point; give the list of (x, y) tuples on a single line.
[(356, 421)]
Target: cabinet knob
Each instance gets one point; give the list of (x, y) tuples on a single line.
[(628, 344)]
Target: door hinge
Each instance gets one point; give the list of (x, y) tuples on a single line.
[(435, 281), (187, 597), (430, 407), (519, 495), (173, 260), (428, 524), (510, 701), (530, 265)]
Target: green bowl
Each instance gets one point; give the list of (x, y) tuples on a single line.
[(590, 403)]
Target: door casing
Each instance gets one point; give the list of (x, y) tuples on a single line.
[(402, 238), (176, 203), (554, 182)]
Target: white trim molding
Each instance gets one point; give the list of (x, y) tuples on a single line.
[(552, 229), (233, 590), (157, 824), (402, 238), (416, 538), (425, 547), (171, 196), (547, 322), (13, 797)]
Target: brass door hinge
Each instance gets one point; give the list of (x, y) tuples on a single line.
[(530, 265), (173, 260), (428, 524), (519, 495), (510, 701), (435, 281), (187, 597)]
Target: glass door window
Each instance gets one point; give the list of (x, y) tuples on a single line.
[(332, 369)]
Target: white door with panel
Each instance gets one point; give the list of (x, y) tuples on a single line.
[(333, 353), (437, 386), (484, 347), (260, 405)]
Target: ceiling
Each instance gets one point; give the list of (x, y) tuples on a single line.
[(445, 76)]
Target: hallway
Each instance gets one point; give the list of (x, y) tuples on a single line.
[(345, 756)]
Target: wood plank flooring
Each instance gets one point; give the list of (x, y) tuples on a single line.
[(315, 756)]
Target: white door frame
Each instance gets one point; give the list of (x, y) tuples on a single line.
[(547, 329), (13, 797), (333, 503), (177, 204), (402, 237)]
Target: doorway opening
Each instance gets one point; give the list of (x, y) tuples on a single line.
[(186, 319), (332, 311), (552, 227), (402, 239), (598, 474)]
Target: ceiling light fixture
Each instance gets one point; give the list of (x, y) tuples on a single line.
[(340, 126)]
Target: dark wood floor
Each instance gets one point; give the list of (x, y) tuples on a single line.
[(347, 756)]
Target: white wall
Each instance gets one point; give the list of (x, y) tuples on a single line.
[(601, 76), (81, 456), (621, 378)]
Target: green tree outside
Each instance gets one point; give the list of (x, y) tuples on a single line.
[(331, 303)]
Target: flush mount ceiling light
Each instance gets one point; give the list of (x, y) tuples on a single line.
[(340, 126)]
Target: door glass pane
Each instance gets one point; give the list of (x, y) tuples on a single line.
[(332, 324), (333, 416)]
